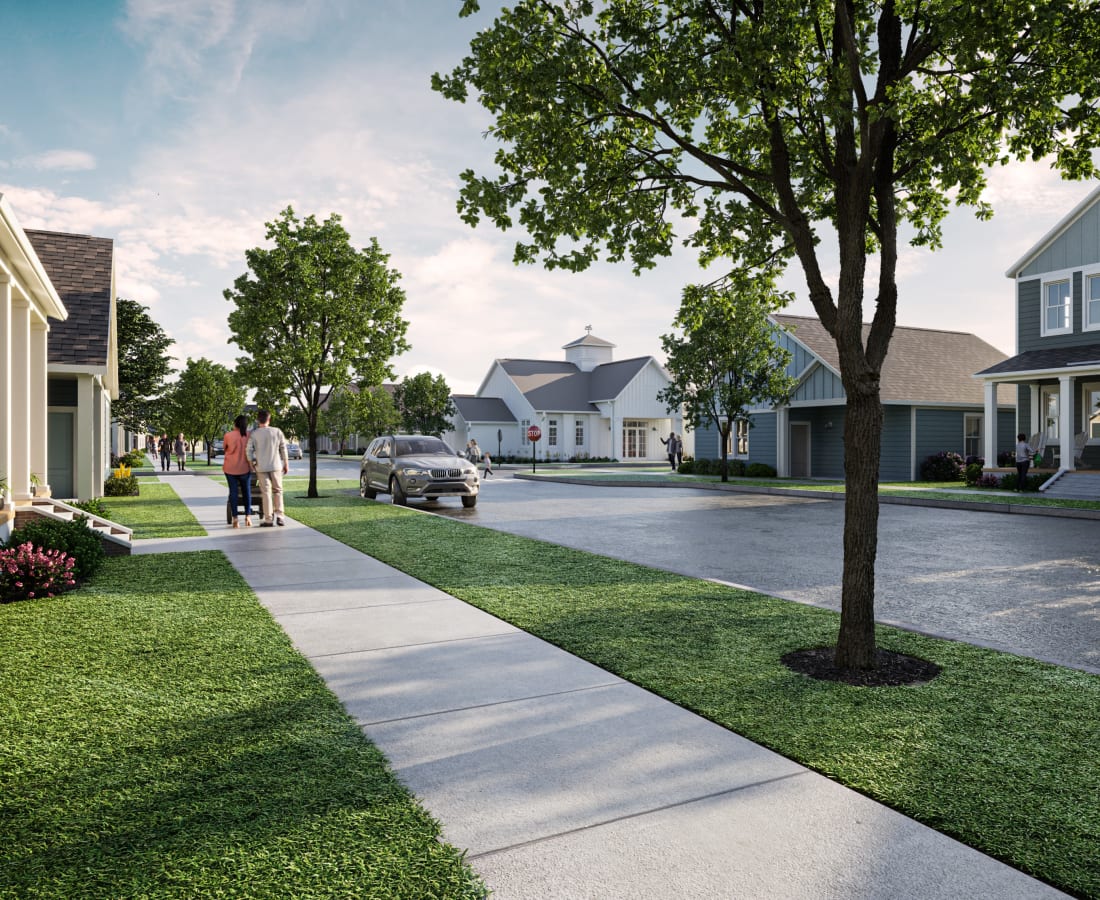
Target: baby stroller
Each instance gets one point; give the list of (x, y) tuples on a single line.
[(231, 513)]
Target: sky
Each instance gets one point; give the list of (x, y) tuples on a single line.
[(180, 127)]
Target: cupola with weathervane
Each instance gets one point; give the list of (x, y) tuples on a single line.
[(589, 351)]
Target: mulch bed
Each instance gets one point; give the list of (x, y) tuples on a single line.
[(891, 669)]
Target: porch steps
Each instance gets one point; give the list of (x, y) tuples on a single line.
[(1074, 486), (117, 539)]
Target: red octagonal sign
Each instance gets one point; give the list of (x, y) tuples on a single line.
[(534, 433)]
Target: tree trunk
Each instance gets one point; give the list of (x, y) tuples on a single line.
[(311, 420), (855, 647), (724, 437)]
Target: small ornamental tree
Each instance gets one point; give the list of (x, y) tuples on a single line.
[(425, 404), (725, 359), (143, 365)]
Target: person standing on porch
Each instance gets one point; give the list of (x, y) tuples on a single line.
[(1023, 460)]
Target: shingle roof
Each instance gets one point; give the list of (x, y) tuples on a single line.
[(589, 340), (1085, 356), (922, 366), (482, 409), (562, 387), (79, 267)]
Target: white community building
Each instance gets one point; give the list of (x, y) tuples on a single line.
[(586, 406)]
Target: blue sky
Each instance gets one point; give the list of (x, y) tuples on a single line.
[(179, 127)]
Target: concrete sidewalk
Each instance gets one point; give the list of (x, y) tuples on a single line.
[(560, 779)]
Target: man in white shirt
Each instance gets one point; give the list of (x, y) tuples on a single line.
[(268, 458)]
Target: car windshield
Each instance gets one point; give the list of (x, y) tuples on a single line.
[(423, 447)]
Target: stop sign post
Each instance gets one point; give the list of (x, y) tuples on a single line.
[(533, 434)]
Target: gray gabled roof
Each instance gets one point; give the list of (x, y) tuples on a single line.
[(1081, 357), (922, 366), (482, 409), (79, 266), (562, 387)]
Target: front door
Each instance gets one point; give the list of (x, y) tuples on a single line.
[(800, 450), (634, 439), (59, 455)]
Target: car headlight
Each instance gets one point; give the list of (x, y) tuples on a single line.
[(415, 471)]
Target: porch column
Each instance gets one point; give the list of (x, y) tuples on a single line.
[(989, 435), (84, 450), (1065, 420), (6, 379), (19, 478), (1036, 413), (782, 439), (38, 437)]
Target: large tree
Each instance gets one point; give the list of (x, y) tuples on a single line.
[(762, 127), (725, 358), (143, 365), (204, 402), (314, 314), (425, 404)]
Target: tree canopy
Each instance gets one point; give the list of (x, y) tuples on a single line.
[(424, 402), (757, 129), (314, 314), (205, 401), (725, 359), (143, 365)]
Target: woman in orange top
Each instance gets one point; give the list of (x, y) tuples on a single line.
[(236, 468)]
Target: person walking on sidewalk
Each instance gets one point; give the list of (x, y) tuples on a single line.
[(237, 470), (165, 448), (488, 464), (181, 452), (268, 457)]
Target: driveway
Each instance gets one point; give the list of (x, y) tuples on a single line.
[(1026, 584)]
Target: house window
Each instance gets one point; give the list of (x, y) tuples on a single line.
[(743, 437), (972, 435), (523, 426), (552, 433), (1092, 412), (1056, 307), (1048, 404), (1092, 302), (578, 435)]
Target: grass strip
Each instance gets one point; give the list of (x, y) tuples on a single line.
[(157, 512), (999, 751), (162, 738)]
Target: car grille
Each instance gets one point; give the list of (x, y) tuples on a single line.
[(446, 473)]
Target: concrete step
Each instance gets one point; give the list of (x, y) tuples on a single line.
[(1075, 486)]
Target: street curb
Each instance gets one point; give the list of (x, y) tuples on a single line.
[(1002, 508)]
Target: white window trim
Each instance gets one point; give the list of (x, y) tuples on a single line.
[(1088, 273), (981, 432), (1051, 279), (1086, 388)]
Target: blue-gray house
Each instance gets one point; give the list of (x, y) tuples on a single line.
[(931, 402), (1056, 369)]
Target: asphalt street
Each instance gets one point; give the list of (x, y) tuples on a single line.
[(1030, 585)]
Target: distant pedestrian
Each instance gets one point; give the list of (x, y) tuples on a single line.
[(679, 451), (268, 457), (238, 472), (165, 448), (181, 452), (488, 465), (670, 449), (474, 454), (1024, 452)]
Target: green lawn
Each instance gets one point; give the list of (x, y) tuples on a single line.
[(157, 512), (999, 751), (162, 738)]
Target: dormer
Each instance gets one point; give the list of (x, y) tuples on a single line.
[(588, 352)]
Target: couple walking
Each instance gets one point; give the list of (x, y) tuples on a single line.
[(675, 449), (475, 455), (263, 452)]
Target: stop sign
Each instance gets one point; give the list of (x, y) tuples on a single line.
[(534, 433)]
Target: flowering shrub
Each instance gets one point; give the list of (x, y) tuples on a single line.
[(72, 538), (989, 481), (28, 571), (120, 486), (943, 466)]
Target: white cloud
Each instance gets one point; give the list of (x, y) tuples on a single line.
[(60, 160)]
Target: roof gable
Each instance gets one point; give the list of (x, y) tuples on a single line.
[(482, 409), (610, 379), (1078, 228), (80, 268), (923, 366)]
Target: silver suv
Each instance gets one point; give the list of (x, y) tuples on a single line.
[(415, 465)]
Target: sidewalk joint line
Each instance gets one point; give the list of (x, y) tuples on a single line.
[(472, 637), (636, 815)]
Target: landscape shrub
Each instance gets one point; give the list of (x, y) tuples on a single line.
[(95, 506), (736, 468), (991, 481), (760, 470), (73, 538), (687, 467), (27, 572), (705, 467), (1006, 458), (1031, 483), (120, 485), (973, 473), (943, 466)]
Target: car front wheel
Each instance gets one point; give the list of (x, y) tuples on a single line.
[(469, 502), (397, 494), (365, 490)]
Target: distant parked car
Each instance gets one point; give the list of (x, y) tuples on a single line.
[(294, 450), (219, 448), (416, 465)]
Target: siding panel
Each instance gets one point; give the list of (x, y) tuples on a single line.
[(1079, 245)]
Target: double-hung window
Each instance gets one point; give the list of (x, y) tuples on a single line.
[(1057, 304), (972, 434), (578, 434), (1092, 303)]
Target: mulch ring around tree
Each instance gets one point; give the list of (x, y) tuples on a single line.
[(891, 669)]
